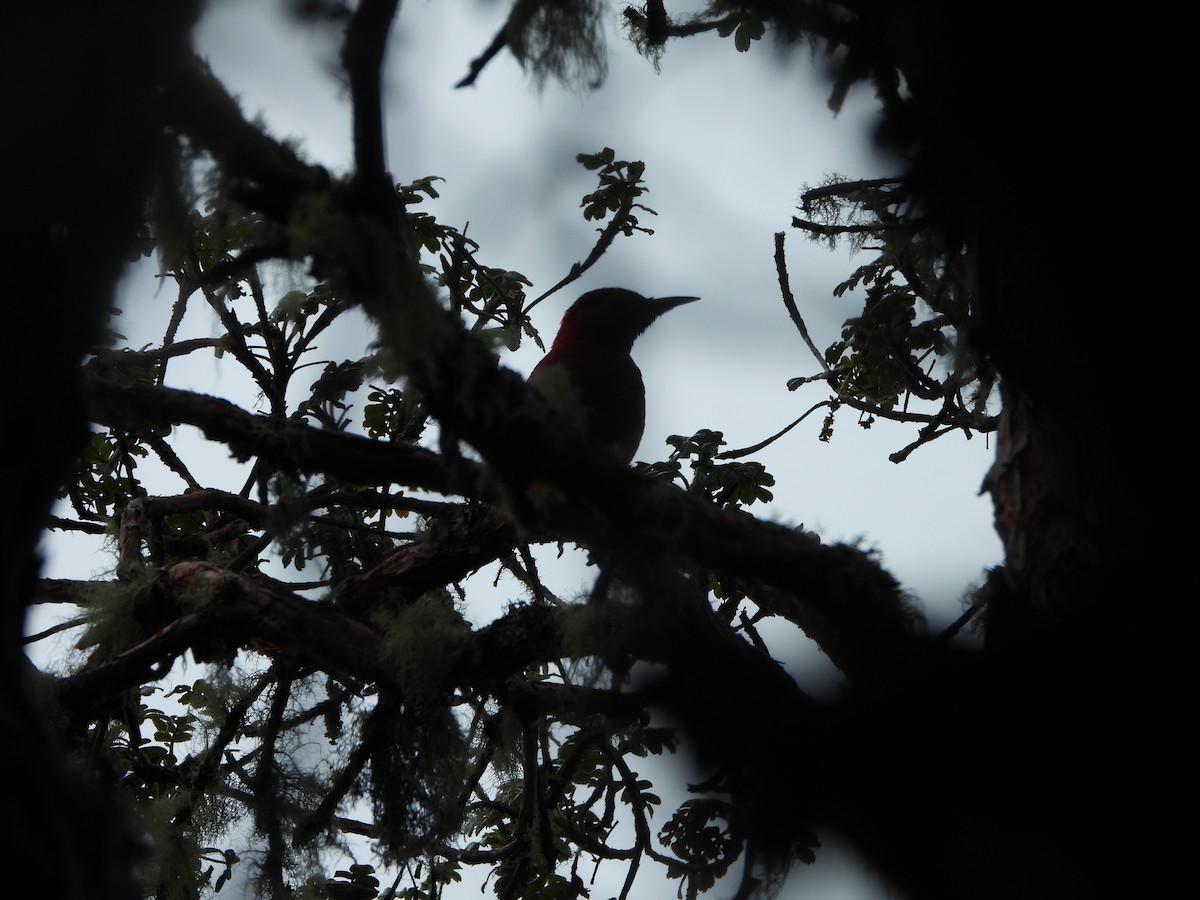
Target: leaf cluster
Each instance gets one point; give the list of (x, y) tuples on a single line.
[(910, 355), (727, 484), (620, 185)]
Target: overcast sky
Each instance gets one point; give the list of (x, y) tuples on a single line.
[(729, 140)]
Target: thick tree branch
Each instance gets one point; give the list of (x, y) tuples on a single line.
[(426, 565), (839, 596), (213, 611), (290, 445)]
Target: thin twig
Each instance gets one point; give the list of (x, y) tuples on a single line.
[(171, 459), (961, 622), (607, 235), (477, 65), (789, 301), (746, 451), (53, 630)]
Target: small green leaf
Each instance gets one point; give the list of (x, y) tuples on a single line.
[(747, 31), (291, 307)]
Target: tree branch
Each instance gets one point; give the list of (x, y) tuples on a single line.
[(477, 65), (290, 445), (425, 565), (789, 301), (362, 57)]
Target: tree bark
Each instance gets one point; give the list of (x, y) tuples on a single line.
[(81, 113)]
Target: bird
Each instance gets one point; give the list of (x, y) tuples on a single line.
[(589, 376)]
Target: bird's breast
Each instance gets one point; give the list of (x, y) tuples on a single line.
[(602, 396)]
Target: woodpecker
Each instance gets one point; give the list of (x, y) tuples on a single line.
[(589, 376)]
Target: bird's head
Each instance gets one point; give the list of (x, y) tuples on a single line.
[(611, 318), (589, 376)]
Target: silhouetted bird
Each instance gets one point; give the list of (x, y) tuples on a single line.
[(589, 375)]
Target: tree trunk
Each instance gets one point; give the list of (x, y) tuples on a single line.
[(80, 109)]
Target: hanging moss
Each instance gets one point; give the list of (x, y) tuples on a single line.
[(561, 39)]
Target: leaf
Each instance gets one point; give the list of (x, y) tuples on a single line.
[(593, 161), (337, 380), (291, 307), (747, 31)]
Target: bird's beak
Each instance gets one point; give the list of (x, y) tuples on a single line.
[(662, 304)]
